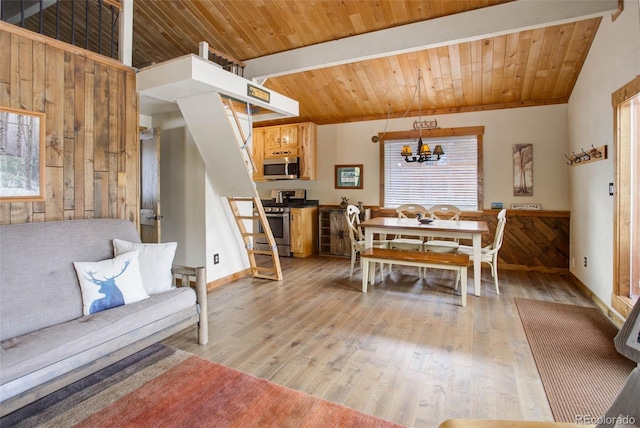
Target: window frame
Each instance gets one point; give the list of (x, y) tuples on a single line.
[(468, 131), (620, 296)]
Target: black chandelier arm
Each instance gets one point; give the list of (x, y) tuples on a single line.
[(423, 158)]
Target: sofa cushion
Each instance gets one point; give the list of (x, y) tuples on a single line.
[(110, 283), (155, 262), (26, 354), (43, 253)]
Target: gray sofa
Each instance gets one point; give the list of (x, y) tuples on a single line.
[(46, 342)]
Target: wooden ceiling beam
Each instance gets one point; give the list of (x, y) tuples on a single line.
[(447, 30)]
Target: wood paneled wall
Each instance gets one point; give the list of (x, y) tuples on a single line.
[(533, 240), (92, 136)]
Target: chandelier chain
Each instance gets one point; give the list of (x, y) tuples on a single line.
[(416, 91)]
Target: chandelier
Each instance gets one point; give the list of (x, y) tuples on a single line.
[(424, 153)]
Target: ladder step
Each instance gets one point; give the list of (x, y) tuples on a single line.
[(265, 252), (259, 235), (257, 275), (274, 272)]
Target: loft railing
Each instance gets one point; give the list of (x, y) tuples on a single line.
[(89, 24), (227, 62)]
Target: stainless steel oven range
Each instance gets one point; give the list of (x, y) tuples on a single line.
[(279, 220), (278, 211)]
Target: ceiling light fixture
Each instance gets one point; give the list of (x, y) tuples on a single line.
[(424, 151)]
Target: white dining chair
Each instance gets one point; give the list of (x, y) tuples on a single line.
[(443, 212), (400, 242), (490, 252), (403, 243), (357, 238)]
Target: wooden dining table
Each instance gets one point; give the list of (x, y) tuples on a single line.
[(463, 229)]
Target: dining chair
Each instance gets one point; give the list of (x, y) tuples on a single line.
[(404, 243), (357, 237), (400, 242), (490, 252), (443, 212)]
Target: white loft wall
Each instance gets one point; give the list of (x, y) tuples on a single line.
[(182, 192), (613, 60), (195, 215), (146, 121), (545, 127)]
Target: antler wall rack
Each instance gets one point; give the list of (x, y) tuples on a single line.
[(592, 155)]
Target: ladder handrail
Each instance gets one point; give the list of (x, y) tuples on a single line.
[(242, 136)]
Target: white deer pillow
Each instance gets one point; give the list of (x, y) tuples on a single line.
[(110, 283)]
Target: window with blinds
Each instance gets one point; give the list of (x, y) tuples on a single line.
[(453, 180)]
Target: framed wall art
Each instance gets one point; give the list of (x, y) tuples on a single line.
[(22, 151), (348, 177), (523, 170)]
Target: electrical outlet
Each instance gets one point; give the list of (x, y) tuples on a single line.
[(573, 262), (216, 259), (585, 262)]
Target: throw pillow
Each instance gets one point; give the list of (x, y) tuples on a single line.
[(155, 263), (110, 283)]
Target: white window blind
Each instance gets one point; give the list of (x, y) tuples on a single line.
[(452, 181)]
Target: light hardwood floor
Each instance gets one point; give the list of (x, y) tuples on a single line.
[(406, 351)]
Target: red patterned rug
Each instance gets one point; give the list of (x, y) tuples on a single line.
[(165, 387)]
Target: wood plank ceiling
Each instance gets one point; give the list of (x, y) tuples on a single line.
[(527, 68)]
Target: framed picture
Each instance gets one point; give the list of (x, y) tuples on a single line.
[(348, 177), (22, 150), (523, 170)]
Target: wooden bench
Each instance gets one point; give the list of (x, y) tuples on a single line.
[(448, 261)]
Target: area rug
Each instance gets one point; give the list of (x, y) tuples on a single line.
[(165, 387), (573, 348)]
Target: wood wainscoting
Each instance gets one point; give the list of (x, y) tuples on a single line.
[(533, 240), (92, 138)]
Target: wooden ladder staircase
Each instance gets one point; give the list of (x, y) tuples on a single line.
[(273, 271)]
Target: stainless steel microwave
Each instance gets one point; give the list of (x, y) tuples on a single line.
[(282, 168)]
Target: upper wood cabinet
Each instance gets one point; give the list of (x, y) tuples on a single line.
[(298, 140), (281, 141), (308, 136), (258, 153)]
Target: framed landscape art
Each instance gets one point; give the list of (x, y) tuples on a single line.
[(523, 170), (22, 139), (348, 177)]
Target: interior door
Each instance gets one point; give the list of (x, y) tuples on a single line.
[(150, 185)]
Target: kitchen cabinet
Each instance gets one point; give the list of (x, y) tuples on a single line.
[(298, 140), (281, 141), (308, 137), (303, 231), (334, 233), (258, 153)]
